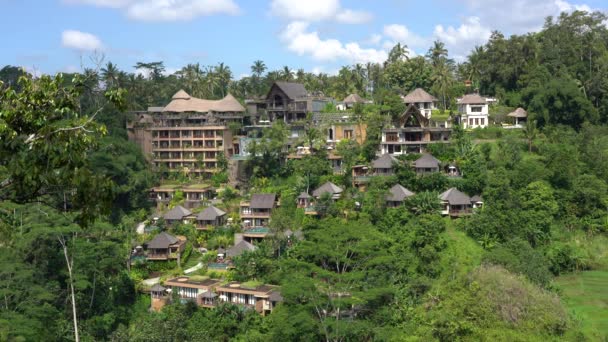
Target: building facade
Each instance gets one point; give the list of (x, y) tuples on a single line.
[(474, 111), (189, 134), (412, 134)]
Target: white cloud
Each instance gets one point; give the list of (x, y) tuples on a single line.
[(348, 16), (401, 34), (166, 10), (317, 10), (519, 16), (81, 41), (176, 10), (303, 42), (465, 37), (374, 39)]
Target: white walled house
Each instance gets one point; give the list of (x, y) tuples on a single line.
[(424, 101), (473, 111)]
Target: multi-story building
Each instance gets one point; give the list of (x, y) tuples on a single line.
[(209, 293), (473, 111), (424, 101), (256, 212), (290, 102), (189, 134), (412, 134), (340, 126)]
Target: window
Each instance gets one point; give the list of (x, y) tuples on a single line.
[(470, 122), (348, 134), (251, 300), (392, 136), (476, 109), (476, 122), (482, 121)]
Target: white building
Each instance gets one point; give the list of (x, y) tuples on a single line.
[(473, 111), (424, 101)]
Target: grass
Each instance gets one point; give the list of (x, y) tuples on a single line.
[(586, 293)]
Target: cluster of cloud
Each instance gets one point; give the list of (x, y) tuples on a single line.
[(166, 10), (524, 16), (80, 41), (318, 10)]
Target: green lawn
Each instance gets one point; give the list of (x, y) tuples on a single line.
[(586, 293)]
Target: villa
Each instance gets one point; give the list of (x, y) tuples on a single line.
[(473, 111), (424, 101)]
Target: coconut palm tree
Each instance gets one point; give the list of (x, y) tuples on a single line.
[(258, 68), (110, 75), (437, 53), (398, 52), (224, 75), (442, 79), (286, 74)]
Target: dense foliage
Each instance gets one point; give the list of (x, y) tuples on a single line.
[(72, 190)]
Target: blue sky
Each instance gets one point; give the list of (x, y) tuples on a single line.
[(318, 35)]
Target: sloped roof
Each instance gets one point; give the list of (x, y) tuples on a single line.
[(476, 198), (182, 102), (327, 187), (354, 98), (177, 213), (275, 296), (240, 248), (427, 161), (210, 213), (157, 288), (162, 241), (454, 197), (303, 195), (413, 110), (419, 95), (385, 161), (518, 113), (398, 193), (262, 201), (208, 294), (472, 99), (293, 90)]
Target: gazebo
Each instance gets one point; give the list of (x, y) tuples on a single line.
[(520, 116)]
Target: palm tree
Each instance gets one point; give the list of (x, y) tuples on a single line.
[(437, 52), (110, 74), (211, 81), (442, 79), (397, 53), (224, 75), (258, 68), (191, 75), (530, 132), (359, 78), (286, 73)]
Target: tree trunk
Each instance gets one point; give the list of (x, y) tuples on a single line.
[(73, 296)]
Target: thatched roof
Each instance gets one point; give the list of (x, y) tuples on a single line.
[(472, 99), (328, 187), (385, 161), (454, 197), (275, 296), (304, 195), (476, 199), (162, 241), (518, 113), (157, 288), (240, 248), (419, 95), (354, 98), (398, 193), (427, 161), (182, 102), (262, 201), (210, 214), (293, 90), (177, 213)]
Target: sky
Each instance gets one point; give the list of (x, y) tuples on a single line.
[(49, 36)]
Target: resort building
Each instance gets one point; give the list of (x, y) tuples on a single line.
[(188, 134), (412, 134), (473, 111), (177, 215), (256, 212), (165, 246), (455, 203), (397, 196), (424, 101), (290, 102), (426, 164), (209, 218)]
